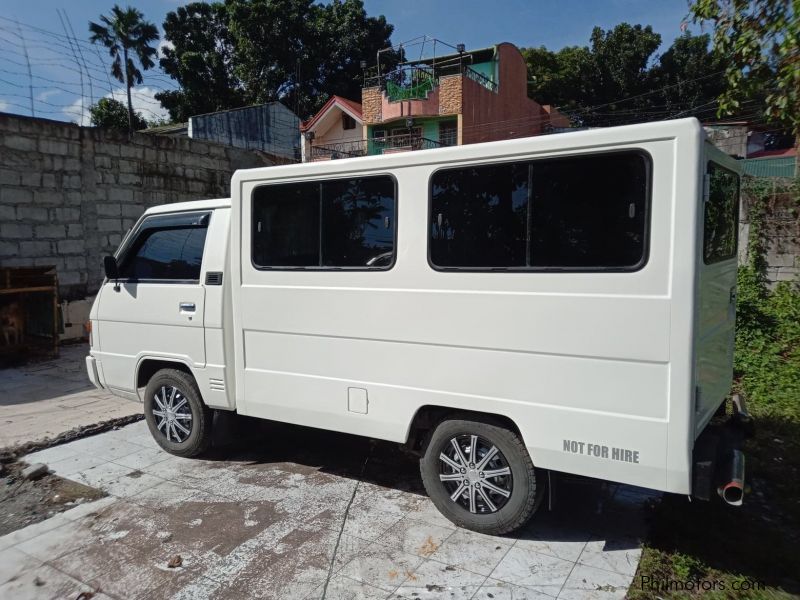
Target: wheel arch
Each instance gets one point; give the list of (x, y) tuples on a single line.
[(150, 365), (427, 417)]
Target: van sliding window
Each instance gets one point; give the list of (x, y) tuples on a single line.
[(581, 213), (331, 224), (720, 215)]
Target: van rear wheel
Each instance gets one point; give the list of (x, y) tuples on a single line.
[(175, 414), (480, 476)]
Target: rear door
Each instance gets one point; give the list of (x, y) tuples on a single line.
[(156, 306), (717, 286)]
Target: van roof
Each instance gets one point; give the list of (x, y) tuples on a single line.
[(192, 205), (572, 141)]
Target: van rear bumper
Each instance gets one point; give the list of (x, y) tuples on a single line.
[(91, 368), (718, 459)]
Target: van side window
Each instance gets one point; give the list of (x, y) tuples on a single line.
[(168, 247), (338, 223), (721, 215), (576, 213)]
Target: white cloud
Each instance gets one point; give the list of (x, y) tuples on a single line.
[(4, 106), (143, 99), (43, 96), (164, 44)]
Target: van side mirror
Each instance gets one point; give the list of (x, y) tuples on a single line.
[(110, 267)]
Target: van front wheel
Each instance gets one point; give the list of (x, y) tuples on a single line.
[(176, 415), (480, 476)]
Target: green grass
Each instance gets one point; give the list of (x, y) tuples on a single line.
[(724, 548)]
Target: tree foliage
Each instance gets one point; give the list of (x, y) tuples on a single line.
[(761, 42), (225, 55), (127, 36), (113, 114), (618, 78)]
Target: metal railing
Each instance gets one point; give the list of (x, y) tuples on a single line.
[(403, 141), (339, 150), (375, 145), (412, 82), (480, 79)]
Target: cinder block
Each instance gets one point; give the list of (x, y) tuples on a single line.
[(72, 164), (50, 146), (109, 210), (9, 177), (48, 197), (50, 231), (49, 180), (34, 213), (19, 142), (120, 195), (133, 211), (7, 213), (109, 225), (10, 195), (74, 231), (31, 249), (65, 215), (16, 231), (70, 277), (131, 151), (76, 262), (74, 198), (72, 182), (130, 179), (102, 162), (71, 247), (9, 248), (31, 178)]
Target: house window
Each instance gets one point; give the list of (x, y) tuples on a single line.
[(334, 224), (578, 213), (448, 133), (348, 122), (721, 215)]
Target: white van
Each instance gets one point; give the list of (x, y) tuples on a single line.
[(562, 303)]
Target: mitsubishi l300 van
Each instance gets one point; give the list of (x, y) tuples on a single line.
[(507, 310)]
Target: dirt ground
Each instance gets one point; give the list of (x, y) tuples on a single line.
[(25, 502)]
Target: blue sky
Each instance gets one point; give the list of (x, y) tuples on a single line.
[(476, 23)]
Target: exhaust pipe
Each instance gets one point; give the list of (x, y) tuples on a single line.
[(732, 488)]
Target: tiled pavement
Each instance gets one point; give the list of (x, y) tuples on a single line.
[(265, 523), (42, 400)]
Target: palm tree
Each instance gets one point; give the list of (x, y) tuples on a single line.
[(126, 35)]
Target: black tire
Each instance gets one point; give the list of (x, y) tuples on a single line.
[(526, 483), (199, 426)]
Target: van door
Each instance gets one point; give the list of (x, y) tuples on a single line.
[(156, 306), (716, 291)]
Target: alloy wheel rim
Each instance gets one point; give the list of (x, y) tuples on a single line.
[(172, 413), (475, 474)]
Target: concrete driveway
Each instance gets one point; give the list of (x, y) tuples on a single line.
[(293, 512), (42, 400)]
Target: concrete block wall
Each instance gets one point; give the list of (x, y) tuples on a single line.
[(68, 194)]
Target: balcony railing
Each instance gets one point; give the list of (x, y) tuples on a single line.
[(339, 150), (376, 145), (415, 82), (481, 79)]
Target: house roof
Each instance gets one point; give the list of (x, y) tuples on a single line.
[(783, 152), (351, 107)]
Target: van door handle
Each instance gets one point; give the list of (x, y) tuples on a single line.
[(187, 306)]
